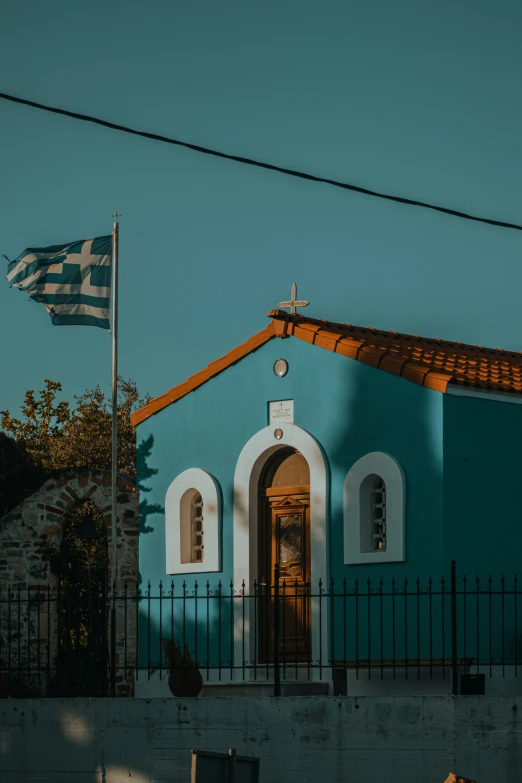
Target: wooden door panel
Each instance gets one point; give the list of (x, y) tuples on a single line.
[(288, 536), (294, 620), (285, 539)]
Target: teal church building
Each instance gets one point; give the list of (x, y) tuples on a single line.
[(336, 471)]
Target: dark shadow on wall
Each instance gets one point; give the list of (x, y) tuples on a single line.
[(148, 633), (390, 414), (395, 416), (143, 473), (20, 476)]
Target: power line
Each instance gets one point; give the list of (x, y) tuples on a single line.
[(259, 164)]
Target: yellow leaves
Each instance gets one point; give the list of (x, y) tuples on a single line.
[(59, 436)]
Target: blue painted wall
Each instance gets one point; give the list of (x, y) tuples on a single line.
[(350, 408), (482, 464), (482, 475), (461, 459)]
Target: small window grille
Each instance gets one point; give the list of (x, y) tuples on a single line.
[(196, 529), (378, 515)]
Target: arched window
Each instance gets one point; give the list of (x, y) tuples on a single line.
[(192, 522), (373, 514), (191, 527), (374, 511)]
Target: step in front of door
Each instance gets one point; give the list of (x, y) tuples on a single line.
[(304, 688), (257, 689)]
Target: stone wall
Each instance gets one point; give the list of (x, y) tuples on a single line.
[(28, 627), (299, 740)]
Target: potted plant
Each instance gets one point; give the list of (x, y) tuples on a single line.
[(185, 679)]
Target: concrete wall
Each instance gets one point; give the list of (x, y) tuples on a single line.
[(299, 740)]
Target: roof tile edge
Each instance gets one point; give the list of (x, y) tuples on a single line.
[(323, 334), (198, 379), (355, 349)]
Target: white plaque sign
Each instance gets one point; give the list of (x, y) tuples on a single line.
[(281, 412)]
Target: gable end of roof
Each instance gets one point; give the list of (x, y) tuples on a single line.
[(198, 379), (425, 361)]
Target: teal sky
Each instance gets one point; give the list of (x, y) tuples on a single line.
[(421, 99)]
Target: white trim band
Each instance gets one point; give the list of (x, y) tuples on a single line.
[(250, 464), (459, 391)]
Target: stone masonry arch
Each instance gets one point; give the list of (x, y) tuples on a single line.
[(37, 524), (34, 528)]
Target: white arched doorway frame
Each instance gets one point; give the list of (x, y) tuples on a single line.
[(252, 459)]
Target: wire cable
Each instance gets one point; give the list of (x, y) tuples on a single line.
[(260, 164)]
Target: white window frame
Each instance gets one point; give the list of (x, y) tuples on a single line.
[(208, 488), (390, 471)]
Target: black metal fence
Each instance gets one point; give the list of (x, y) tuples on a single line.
[(99, 642)]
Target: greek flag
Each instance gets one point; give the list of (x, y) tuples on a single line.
[(72, 281)]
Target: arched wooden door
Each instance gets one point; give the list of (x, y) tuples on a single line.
[(284, 538)]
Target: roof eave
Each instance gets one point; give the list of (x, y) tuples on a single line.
[(198, 379)]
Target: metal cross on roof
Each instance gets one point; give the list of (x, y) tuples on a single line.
[(293, 303)]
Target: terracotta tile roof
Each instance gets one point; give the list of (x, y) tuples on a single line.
[(427, 361)]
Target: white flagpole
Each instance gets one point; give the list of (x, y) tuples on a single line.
[(114, 341), (114, 462)]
